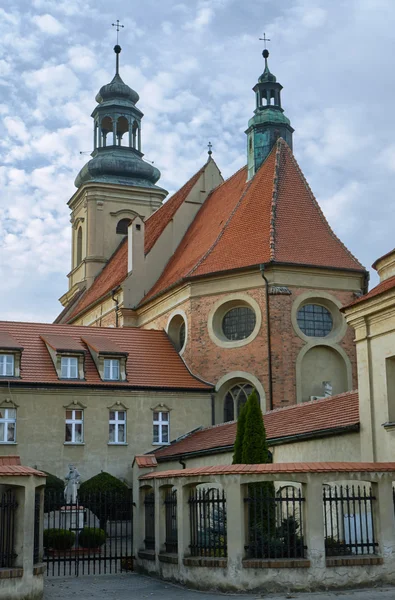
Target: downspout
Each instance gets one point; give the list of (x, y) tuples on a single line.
[(182, 463), (114, 291), (269, 345), (212, 409)]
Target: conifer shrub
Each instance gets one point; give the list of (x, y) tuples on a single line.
[(107, 497), (238, 447), (53, 493), (90, 537)]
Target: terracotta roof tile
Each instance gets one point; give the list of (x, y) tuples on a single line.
[(145, 460), (267, 469), (11, 465), (101, 344), (381, 288), (315, 416), (7, 342), (63, 343), (152, 360), (11, 459)]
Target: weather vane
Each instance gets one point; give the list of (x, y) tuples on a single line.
[(118, 26), (265, 39)]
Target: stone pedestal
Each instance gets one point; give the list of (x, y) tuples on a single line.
[(72, 517)]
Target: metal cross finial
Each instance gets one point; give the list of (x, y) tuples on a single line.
[(209, 148), (265, 39), (118, 26)]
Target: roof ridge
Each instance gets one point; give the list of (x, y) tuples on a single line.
[(313, 198), (221, 233), (310, 402), (273, 209)]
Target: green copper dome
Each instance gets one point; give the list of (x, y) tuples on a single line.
[(270, 114), (266, 75), (117, 90)]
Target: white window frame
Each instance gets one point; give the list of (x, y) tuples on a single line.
[(7, 360), (161, 423), (73, 422), (68, 362), (117, 421), (7, 420), (114, 364)]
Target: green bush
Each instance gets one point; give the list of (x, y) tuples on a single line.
[(91, 538), (107, 497), (53, 493), (59, 539)]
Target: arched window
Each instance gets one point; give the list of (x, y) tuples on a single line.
[(105, 129), (79, 246), (122, 128), (122, 226), (235, 399)]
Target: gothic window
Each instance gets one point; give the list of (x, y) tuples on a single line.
[(235, 399), (79, 246), (315, 320), (238, 323), (122, 226)]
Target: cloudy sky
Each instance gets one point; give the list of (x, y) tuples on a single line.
[(193, 62)]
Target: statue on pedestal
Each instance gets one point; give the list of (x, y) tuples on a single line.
[(71, 489), (328, 389)]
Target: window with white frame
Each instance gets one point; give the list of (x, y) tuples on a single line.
[(69, 367), (161, 425), (7, 425), (6, 365), (74, 426), (111, 368), (117, 427)]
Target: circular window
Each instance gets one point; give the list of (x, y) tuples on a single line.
[(177, 331), (315, 320), (238, 323)]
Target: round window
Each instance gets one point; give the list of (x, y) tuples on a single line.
[(238, 323), (177, 332), (315, 320)]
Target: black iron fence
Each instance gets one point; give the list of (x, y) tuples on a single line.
[(349, 520), (8, 506), (93, 536), (171, 544), (149, 505), (275, 522), (208, 530)]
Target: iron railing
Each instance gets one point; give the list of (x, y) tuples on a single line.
[(92, 536), (37, 523), (149, 505), (275, 522), (171, 540), (8, 506), (349, 520), (207, 515)]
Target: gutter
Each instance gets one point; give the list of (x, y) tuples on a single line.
[(287, 439)]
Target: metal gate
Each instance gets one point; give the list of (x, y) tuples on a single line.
[(91, 537)]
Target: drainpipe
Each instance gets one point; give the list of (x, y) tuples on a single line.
[(269, 349), (182, 463), (115, 299), (212, 409)]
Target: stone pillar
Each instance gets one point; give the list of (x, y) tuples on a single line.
[(114, 132), (235, 519), (183, 524), (314, 522), (139, 136), (28, 525), (384, 523), (160, 520), (130, 134)]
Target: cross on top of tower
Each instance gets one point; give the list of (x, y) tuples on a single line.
[(264, 39), (209, 145), (118, 26)]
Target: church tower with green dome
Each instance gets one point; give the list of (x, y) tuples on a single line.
[(113, 187), (269, 121)]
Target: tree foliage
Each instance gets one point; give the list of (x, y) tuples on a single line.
[(238, 447), (107, 497), (53, 493), (255, 450)]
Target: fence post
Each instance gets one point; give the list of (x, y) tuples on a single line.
[(383, 512), (235, 522), (183, 522), (314, 521), (160, 519)]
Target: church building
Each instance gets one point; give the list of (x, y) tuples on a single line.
[(246, 276)]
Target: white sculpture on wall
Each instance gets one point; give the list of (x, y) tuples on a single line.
[(73, 481), (328, 389)]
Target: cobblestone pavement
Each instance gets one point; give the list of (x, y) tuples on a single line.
[(138, 587)]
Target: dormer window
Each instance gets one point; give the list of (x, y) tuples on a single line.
[(69, 367), (111, 369), (7, 365)]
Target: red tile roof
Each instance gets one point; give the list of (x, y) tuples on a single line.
[(11, 465), (312, 417), (145, 460), (62, 343), (267, 469), (156, 223), (152, 360), (98, 343), (381, 288), (274, 217), (8, 342)]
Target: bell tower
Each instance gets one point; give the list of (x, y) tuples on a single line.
[(269, 122), (114, 187)]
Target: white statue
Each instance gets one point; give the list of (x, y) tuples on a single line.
[(328, 389), (71, 490)]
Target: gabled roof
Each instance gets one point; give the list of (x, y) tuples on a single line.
[(152, 361), (384, 286), (274, 217), (316, 417)]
